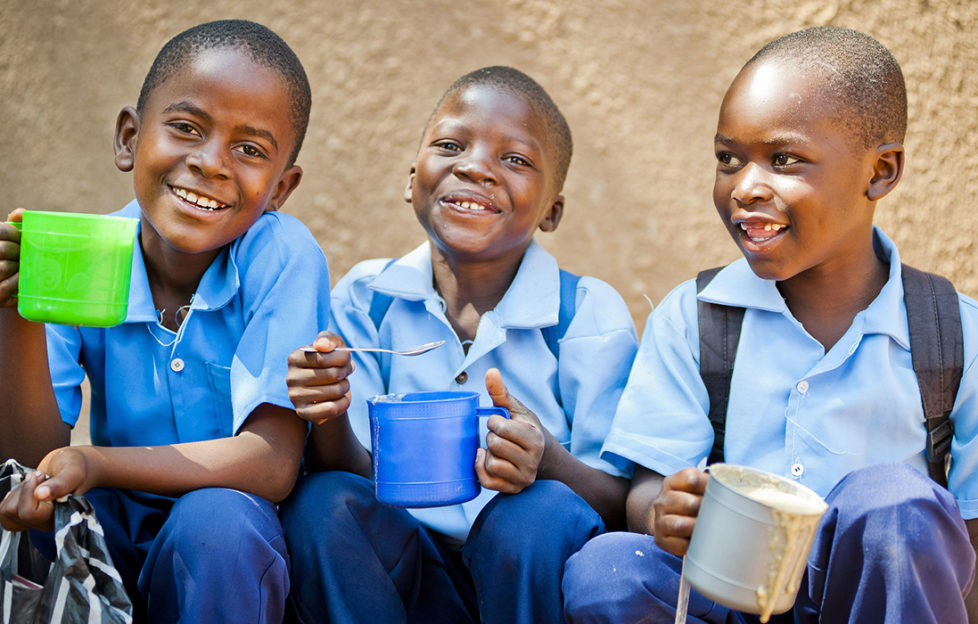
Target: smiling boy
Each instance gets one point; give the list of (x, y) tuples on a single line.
[(488, 175), (823, 388), (194, 437)]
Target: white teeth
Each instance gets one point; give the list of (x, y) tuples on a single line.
[(470, 205), (200, 201)]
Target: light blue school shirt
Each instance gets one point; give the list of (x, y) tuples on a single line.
[(264, 295), (794, 409), (575, 400)]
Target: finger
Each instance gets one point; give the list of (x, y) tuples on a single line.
[(319, 413), (675, 545), (486, 469), (514, 444), (689, 480), (52, 488), (525, 435), (499, 393), (501, 397), (17, 214), (327, 341), (300, 375), (307, 394), (21, 509)]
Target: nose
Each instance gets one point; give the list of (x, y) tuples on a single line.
[(474, 165), (751, 185), (209, 160)]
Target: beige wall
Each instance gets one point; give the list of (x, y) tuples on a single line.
[(639, 80)]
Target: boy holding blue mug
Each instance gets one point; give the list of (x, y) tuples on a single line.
[(488, 175)]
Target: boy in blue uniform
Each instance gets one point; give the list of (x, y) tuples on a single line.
[(488, 174), (823, 389), (194, 437)]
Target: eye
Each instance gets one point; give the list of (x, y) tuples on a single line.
[(184, 128), (783, 160), (448, 145), (516, 159), (728, 160), (252, 151)]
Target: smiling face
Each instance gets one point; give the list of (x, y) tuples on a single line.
[(484, 177), (209, 153), (792, 186)]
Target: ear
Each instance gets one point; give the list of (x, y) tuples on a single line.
[(552, 218), (286, 184), (126, 134), (887, 170), (410, 184)]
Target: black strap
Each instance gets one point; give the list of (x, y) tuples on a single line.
[(937, 350), (719, 335)]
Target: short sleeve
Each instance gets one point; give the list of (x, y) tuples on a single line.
[(286, 301), (661, 420), (594, 359)]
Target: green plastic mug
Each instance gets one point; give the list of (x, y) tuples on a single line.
[(75, 268)]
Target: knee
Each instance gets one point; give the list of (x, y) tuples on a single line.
[(324, 498), (220, 520), (897, 511), (612, 569), (545, 512)]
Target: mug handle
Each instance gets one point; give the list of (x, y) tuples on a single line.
[(483, 414), (17, 224), (489, 411)]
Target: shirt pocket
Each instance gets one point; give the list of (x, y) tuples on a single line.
[(219, 383)]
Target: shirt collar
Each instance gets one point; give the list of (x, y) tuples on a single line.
[(737, 285), (532, 300), (217, 287)]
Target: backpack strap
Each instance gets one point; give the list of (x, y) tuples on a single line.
[(568, 307), (937, 351), (380, 302), (719, 327)]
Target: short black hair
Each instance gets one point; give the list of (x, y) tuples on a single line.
[(855, 70), (516, 82), (262, 46)]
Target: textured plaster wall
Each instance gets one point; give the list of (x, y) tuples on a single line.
[(640, 82)]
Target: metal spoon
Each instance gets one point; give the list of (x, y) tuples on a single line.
[(413, 351)]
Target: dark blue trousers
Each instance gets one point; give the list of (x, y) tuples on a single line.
[(892, 547), (212, 555), (356, 560)]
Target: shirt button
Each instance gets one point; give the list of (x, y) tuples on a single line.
[(462, 378), (797, 470), (176, 365), (802, 386)]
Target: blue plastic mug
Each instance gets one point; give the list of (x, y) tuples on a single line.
[(424, 446)]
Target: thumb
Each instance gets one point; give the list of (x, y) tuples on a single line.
[(52, 489), (502, 398), (497, 389)]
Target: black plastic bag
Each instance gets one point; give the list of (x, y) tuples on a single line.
[(81, 586)]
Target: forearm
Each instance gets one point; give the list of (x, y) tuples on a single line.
[(30, 422), (332, 445), (645, 486), (604, 492), (263, 459)]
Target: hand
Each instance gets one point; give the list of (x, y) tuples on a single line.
[(9, 260), (317, 382), (31, 505), (676, 507), (514, 446)]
